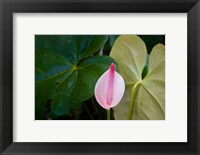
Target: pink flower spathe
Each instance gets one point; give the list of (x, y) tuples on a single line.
[(109, 88)]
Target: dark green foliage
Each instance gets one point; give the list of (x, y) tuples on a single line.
[(66, 73)]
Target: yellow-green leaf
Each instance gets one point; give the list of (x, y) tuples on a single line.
[(130, 53), (149, 100)]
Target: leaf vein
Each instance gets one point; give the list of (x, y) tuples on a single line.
[(155, 98)]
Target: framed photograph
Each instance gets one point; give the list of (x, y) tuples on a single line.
[(99, 77)]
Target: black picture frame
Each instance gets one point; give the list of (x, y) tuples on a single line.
[(8, 7)]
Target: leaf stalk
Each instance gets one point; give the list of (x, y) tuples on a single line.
[(133, 94)]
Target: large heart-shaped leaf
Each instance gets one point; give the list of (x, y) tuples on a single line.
[(71, 47), (149, 100), (71, 81)]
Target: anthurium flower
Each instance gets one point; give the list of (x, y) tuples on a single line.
[(109, 88)]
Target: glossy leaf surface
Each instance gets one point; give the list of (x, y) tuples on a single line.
[(71, 47), (68, 71)]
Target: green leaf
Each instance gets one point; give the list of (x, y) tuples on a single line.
[(130, 53), (49, 64), (149, 100), (74, 84), (43, 92), (112, 39), (88, 45), (71, 47)]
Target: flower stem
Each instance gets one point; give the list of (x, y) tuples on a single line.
[(133, 94), (108, 114)]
